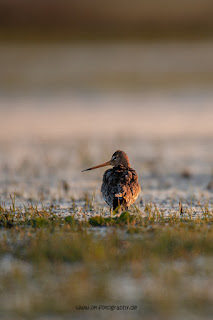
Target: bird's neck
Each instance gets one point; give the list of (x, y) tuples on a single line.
[(126, 163), (121, 167)]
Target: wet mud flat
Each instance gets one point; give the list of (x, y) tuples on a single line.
[(48, 173)]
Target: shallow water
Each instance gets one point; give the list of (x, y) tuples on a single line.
[(49, 173)]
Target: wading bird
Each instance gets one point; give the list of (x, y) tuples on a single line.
[(120, 185)]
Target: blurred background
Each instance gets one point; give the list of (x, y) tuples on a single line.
[(83, 61), (80, 79), (85, 67)]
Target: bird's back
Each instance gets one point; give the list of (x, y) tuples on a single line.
[(120, 183)]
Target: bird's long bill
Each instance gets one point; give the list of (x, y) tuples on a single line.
[(99, 166)]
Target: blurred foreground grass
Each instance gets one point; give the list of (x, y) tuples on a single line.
[(52, 264)]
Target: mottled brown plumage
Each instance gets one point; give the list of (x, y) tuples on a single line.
[(120, 184)]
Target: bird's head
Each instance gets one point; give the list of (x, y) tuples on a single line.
[(118, 158)]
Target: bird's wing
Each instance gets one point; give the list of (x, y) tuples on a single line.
[(131, 188)]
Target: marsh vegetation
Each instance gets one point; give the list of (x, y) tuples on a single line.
[(51, 263), (60, 249)]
